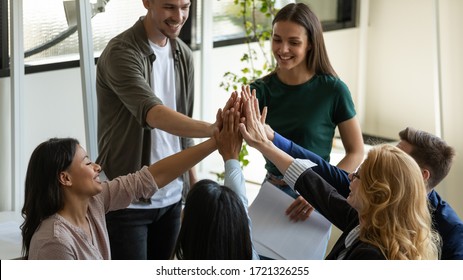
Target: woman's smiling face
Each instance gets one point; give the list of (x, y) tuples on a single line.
[(290, 45), (83, 175)]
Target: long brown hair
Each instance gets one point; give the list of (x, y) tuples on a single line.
[(43, 193)]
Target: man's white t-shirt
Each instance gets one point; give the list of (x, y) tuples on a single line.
[(164, 144)]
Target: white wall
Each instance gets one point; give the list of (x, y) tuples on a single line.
[(399, 67), (401, 79), (52, 108)]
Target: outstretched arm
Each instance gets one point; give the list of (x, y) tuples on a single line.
[(229, 141), (334, 175), (173, 122), (167, 169)]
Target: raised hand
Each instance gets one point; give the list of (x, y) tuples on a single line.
[(231, 103), (229, 139), (252, 126)]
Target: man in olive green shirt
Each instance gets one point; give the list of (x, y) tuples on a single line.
[(145, 89)]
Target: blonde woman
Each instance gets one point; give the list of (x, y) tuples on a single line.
[(386, 214)]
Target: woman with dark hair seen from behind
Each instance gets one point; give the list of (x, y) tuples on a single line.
[(215, 224)]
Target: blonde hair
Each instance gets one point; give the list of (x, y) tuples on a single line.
[(395, 216)]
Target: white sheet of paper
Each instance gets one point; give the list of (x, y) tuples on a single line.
[(277, 237)]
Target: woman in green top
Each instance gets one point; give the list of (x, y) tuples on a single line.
[(305, 98)]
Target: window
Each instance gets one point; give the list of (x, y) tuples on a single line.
[(50, 27), (51, 38), (50, 31), (228, 25)]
